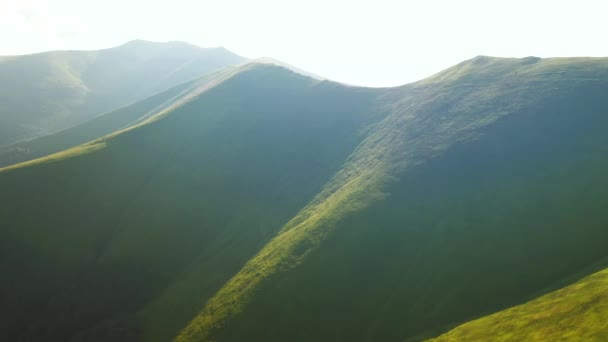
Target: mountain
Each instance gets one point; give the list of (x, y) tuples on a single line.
[(478, 212), (192, 165), (267, 205), (119, 119), (45, 92)]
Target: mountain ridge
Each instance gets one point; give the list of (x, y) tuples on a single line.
[(339, 212), (202, 328), (71, 137)]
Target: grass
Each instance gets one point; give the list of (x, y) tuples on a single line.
[(380, 271), (63, 155), (298, 238), (578, 312), (105, 221), (271, 206)]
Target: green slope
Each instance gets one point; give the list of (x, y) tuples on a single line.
[(271, 206), (49, 91), (578, 312), (105, 124), (438, 246), (183, 200)]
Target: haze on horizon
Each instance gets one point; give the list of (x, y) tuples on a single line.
[(379, 43)]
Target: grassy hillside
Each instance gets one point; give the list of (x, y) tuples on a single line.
[(46, 92), (270, 206), (476, 202), (105, 124), (578, 312), (178, 203)]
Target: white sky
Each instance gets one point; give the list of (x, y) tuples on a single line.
[(373, 43)]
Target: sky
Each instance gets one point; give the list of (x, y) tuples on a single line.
[(369, 43)]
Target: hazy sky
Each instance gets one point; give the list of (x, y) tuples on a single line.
[(374, 43)]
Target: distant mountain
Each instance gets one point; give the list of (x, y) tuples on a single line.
[(264, 205), (45, 92)]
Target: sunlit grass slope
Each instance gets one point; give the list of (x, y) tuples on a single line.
[(578, 312), (46, 92)]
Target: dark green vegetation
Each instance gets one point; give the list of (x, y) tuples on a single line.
[(269, 206), (46, 92)]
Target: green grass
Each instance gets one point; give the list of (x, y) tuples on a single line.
[(412, 255), (578, 312), (298, 238), (59, 156), (269, 206), (187, 196)]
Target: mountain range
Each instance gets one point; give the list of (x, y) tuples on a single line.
[(257, 203), (45, 92)]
